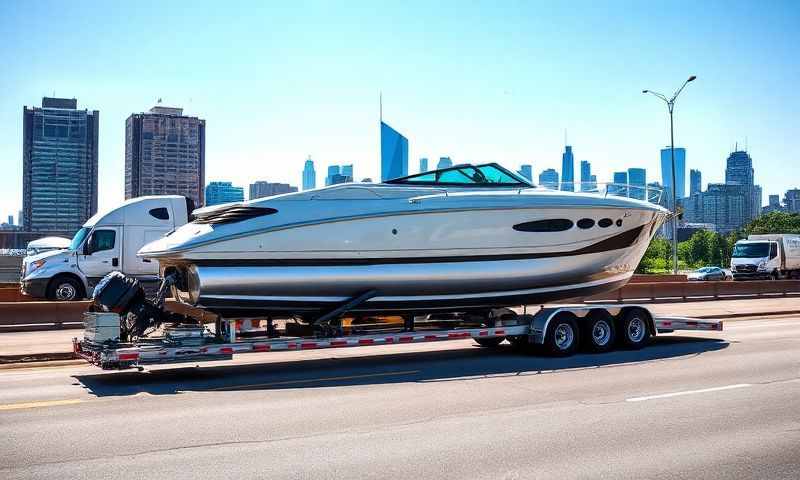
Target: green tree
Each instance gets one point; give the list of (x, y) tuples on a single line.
[(656, 257), (774, 222)]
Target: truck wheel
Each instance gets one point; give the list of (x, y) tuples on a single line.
[(64, 289), (634, 333), (493, 342), (598, 333), (773, 276), (562, 335)]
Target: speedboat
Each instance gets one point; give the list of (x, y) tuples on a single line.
[(465, 237)]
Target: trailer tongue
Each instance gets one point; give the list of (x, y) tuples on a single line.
[(127, 330)]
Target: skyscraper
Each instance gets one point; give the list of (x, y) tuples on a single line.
[(59, 165), (549, 179), (620, 186), (347, 171), (423, 165), (567, 169), (223, 192), (791, 200), (695, 182), (444, 162), (680, 173), (637, 179), (586, 176), (774, 204), (261, 189), (724, 205), (165, 154), (309, 175), (394, 153), (739, 171), (526, 171), (333, 172)]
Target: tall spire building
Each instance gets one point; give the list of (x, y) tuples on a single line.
[(309, 175), (567, 169)]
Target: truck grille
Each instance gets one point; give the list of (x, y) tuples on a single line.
[(745, 268)]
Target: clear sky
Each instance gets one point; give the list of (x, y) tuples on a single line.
[(476, 81)]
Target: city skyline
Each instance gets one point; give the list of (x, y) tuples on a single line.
[(488, 113)]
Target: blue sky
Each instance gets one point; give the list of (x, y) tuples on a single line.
[(477, 81)]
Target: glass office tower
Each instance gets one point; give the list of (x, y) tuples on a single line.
[(59, 174), (394, 153)]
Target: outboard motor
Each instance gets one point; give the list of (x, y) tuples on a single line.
[(126, 297)]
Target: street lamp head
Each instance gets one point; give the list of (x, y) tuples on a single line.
[(691, 78), (645, 91)]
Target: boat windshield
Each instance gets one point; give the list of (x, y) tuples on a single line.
[(490, 174)]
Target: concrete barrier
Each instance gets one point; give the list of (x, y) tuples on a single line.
[(12, 294), (28, 316), (651, 278), (24, 316), (34, 315), (689, 291), (9, 268)]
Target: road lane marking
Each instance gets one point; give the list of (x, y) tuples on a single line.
[(688, 392), (46, 403), (313, 380)]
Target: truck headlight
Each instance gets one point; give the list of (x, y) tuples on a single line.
[(763, 265), (35, 266)]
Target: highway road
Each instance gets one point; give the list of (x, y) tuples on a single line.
[(703, 405)]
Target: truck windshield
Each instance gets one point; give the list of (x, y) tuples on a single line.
[(751, 250), (78, 238)]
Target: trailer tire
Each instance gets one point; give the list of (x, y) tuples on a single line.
[(634, 332), (493, 342), (598, 331), (562, 337), (65, 288)]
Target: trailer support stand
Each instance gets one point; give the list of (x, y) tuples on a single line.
[(324, 322)]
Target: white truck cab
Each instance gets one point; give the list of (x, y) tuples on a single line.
[(766, 257), (107, 242)]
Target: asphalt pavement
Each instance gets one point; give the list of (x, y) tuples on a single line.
[(690, 405)]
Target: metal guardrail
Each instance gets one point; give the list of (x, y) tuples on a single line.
[(33, 315), (698, 291)]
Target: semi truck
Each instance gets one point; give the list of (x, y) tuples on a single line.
[(773, 256), (107, 242)]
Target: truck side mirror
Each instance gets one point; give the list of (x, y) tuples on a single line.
[(86, 245), (773, 250)]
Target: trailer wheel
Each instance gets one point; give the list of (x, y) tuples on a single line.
[(634, 333), (562, 335), (598, 333), (493, 342)]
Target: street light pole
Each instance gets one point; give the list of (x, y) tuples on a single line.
[(670, 107)]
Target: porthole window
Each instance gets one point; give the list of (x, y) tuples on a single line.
[(552, 225), (619, 222), (605, 222), (585, 223), (160, 213)]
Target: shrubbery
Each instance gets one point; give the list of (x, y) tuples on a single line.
[(707, 248)]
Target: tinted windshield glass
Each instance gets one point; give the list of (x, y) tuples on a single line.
[(488, 175), (78, 238), (751, 250)]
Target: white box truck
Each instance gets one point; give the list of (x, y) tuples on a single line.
[(766, 257), (107, 242)]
